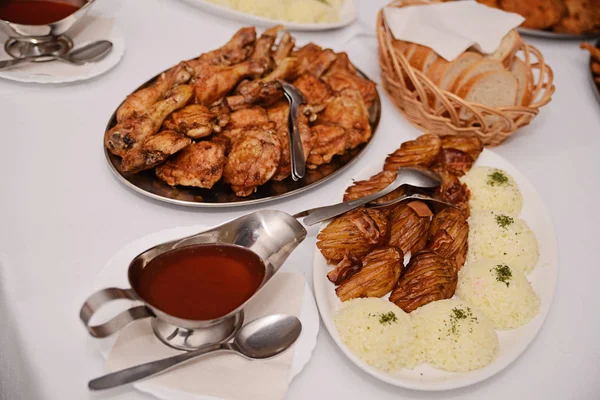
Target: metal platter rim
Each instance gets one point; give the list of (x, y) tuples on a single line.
[(556, 35), (241, 203)]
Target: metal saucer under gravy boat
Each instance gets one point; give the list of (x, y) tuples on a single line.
[(271, 235)]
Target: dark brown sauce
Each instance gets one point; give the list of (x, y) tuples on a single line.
[(201, 282), (35, 12)]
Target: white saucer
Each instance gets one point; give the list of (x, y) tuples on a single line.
[(114, 274), (41, 72)]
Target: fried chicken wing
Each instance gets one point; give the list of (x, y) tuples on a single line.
[(379, 274), (357, 232), (252, 161), (316, 92), (195, 121), (330, 140), (471, 145), (408, 230), (284, 48), (153, 151), (349, 266), (538, 14), (199, 164), (139, 102), (313, 59), (452, 190), (245, 118), (131, 132), (421, 151), (236, 50), (216, 82), (583, 16), (427, 277), (348, 111), (278, 115), (455, 161), (374, 184), (449, 233), (343, 75)]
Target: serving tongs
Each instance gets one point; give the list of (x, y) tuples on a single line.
[(295, 99), (408, 177)]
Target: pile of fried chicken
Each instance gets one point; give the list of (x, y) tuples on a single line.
[(224, 116), (566, 16), (367, 245)]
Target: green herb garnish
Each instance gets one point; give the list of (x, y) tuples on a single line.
[(504, 220), (386, 318), (497, 178), (456, 316), (503, 273)]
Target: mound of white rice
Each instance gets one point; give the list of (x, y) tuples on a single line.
[(377, 331), (503, 294), (454, 336), (502, 238), (493, 189)]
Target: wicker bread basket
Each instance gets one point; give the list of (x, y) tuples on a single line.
[(415, 95)]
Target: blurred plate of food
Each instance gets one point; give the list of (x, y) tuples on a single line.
[(554, 19), (297, 15), (431, 298), (594, 66), (213, 132)]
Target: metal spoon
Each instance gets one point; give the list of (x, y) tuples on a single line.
[(412, 196), (409, 176), (262, 338), (295, 99), (94, 51)]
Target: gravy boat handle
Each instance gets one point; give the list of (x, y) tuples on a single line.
[(104, 296)]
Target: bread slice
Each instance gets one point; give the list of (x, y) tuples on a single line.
[(524, 79), (492, 89), (409, 50), (437, 70), (422, 58), (508, 48), (482, 66), (453, 69)]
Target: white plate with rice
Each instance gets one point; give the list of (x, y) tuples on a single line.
[(295, 15), (510, 344)]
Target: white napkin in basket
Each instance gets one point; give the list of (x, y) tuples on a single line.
[(90, 29), (222, 375), (451, 28)]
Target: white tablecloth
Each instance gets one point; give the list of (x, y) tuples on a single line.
[(63, 214)]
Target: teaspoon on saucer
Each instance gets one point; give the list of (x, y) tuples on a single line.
[(91, 52), (262, 338)]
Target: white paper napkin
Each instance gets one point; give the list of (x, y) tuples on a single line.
[(225, 376), (90, 29), (451, 28)]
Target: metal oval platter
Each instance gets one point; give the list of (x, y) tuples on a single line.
[(556, 35), (220, 195)]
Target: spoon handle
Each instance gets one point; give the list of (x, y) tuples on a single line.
[(148, 369), (15, 61)]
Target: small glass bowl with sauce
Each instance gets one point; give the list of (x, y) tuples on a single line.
[(195, 288), (41, 19)]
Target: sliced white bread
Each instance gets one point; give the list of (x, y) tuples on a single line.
[(409, 50), (454, 69), (399, 46), (493, 89), (525, 80), (480, 67), (423, 58), (508, 48), (437, 70)]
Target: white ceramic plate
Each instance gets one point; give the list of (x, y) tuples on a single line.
[(114, 274), (37, 74), (512, 343), (347, 16)]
